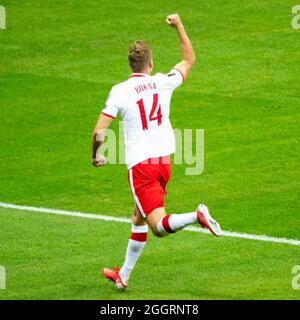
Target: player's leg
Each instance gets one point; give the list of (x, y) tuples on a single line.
[(163, 224), (148, 185), (136, 244), (136, 217)]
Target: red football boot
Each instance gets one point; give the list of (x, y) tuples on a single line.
[(113, 275), (206, 221)]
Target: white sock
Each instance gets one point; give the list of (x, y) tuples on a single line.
[(173, 222), (135, 247)]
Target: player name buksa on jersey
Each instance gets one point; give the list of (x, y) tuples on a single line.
[(145, 86)]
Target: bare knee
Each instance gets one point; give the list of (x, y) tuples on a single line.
[(137, 218), (138, 222), (153, 219)]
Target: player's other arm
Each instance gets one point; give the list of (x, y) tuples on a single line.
[(98, 139), (188, 54)]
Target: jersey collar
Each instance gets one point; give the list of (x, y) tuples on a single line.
[(138, 75)]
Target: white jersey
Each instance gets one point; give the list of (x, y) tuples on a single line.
[(143, 102)]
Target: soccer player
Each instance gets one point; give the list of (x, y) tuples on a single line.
[(144, 104)]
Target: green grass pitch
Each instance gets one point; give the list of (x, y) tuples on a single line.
[(58, 61)]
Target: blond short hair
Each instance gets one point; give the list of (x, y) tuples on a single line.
[(139, 55)]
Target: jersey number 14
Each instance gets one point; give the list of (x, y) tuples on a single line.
[(152, 116)]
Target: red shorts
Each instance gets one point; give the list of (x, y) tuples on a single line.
[(148, 180)]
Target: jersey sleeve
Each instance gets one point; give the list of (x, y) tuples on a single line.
[(112, 104), (175, 78)]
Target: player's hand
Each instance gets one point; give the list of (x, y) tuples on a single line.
[(99, 161), (174, 20)]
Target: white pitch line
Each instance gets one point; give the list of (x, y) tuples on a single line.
[(293, 242)]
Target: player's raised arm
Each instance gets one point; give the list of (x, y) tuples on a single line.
[(188, 54), (98, 139)]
